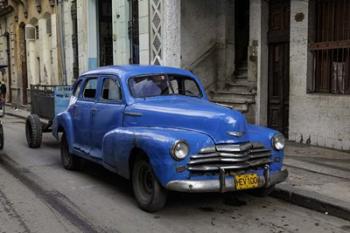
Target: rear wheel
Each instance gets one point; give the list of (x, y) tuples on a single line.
[(33, 131), (69, 161), (149, 194)]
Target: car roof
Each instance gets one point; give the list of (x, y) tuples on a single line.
[(137, 70)]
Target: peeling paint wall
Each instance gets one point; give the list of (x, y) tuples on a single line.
[(317, 119)]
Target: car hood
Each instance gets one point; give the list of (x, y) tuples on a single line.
[(222, 124)]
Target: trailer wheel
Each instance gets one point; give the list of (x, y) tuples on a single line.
[(1, 137), (33, 131)]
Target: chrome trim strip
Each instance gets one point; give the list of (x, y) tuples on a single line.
[(247, 164), (217, 159), (235, 133), (133, 114), (208, 150), (233, 147)]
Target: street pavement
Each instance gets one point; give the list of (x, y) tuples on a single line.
[(42, 195)]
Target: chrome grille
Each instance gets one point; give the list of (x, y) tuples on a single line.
[(230, 157)]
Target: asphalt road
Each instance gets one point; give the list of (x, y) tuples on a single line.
[(38, 195)]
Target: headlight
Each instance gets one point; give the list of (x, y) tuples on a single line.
[(278, 142), (179, 150)]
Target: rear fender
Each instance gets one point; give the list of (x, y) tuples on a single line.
[(63, 122)]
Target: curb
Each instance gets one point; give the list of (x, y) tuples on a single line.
[(313, 201)]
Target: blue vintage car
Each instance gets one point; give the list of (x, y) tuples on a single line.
[(155, 126)]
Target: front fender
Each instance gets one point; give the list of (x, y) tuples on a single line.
[(264, 135), (63, 122), (157, 144)]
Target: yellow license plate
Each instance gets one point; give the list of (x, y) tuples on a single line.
[(247, 181)]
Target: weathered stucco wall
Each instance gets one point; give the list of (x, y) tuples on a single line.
[(198, 34), (318, 119)]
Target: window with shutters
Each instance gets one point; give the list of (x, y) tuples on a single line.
[(330, 46)]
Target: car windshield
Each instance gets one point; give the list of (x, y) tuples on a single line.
[(163, 85)]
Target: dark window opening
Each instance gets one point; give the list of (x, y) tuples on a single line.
[(105, 32), (90, 89), (241, 35), (134, 32), (330, 46), (111, 90)]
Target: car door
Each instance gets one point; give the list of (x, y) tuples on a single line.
[(108, 115), (81, 115)]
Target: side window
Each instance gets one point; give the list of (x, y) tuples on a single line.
[(90, 89), (77, 89), (111, 90)]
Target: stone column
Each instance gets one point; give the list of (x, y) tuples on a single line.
[(121, 40), (144, 31), (172, 33), (258, 56)]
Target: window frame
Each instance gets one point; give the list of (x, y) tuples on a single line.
[(100, 92), (320, 68), (81, 96)]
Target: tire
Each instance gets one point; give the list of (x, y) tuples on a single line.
[(1, 137), (262, 192), (33, 131), (149, 194), (69, 161)]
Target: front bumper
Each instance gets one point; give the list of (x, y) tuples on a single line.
[(224, 183)]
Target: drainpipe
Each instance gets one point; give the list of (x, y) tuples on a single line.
[(61, 41)]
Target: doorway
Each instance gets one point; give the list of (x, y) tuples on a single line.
[(241, 37), (105, 36), (278, 87), (134, 32)]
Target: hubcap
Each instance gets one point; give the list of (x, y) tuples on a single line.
[(146, 180), (65, 155)]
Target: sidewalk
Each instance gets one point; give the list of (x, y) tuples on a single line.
[(18, 112), (319, 178)]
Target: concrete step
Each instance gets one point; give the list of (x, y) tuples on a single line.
[(242, 83), (230, 98), (238, 90)]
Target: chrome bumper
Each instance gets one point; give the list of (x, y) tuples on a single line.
[(224, 184)]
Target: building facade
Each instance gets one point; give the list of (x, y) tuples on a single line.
[(28, 45), (283, 63)]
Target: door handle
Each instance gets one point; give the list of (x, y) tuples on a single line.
[(93, 111)]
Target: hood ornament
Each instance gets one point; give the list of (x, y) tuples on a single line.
[(235, 133)]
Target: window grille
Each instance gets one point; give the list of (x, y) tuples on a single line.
[(30, 33), (330, 46), (48, 26)]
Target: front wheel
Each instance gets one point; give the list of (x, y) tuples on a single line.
[(69, 161), (149, 194)]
